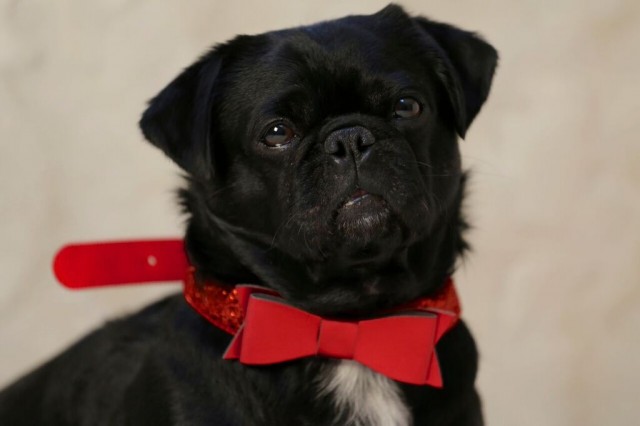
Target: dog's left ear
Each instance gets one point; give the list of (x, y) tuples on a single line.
[(472, 63), (178, 119)]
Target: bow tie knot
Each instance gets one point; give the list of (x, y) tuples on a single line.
[(337, 339)]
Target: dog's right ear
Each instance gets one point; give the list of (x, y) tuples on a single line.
[(467, 70), (178, 119)]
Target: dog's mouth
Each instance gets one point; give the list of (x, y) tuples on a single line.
[(358, 196), (361, 213)]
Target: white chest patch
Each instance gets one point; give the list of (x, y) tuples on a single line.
[(363, 396)]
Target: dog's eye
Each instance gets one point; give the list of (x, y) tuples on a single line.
[(278, 135), (407, 108)]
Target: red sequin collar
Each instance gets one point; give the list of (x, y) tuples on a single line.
[(220, 304)]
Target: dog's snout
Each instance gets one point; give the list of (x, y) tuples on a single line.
[(349, 142)]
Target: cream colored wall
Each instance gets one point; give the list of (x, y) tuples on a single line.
[(552, 291)]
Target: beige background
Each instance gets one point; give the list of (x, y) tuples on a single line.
[(552, 291)]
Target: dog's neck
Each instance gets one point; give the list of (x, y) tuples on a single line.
[(225, 253)]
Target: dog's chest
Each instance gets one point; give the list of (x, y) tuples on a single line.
[(363, 397)]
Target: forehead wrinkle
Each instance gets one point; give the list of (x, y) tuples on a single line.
[(338, 71)]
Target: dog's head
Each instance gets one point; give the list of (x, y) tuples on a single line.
[(323, 160)]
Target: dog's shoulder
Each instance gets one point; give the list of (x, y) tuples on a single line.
[(115, 371)]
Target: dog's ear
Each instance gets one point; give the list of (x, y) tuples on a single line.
[(178, 119), (468, 69)]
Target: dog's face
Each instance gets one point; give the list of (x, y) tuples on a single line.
[(327, 154)]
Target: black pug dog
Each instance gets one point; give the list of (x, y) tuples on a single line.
[(322, 163)]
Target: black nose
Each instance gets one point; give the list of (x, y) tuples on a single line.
[(349, 142)]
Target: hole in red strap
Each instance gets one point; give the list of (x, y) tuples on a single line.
[(152, 261)]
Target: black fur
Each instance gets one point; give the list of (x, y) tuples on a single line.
[(277, 217)]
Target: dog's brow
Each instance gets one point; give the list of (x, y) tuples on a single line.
[(401, 78), (289, 103)]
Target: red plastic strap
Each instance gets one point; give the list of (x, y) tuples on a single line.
[(120, 262)]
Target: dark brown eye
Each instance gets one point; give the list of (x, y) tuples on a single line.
[(407, 108), (278, 135)]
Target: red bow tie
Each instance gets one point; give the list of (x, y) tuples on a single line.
[(400, 346), (267, 330)]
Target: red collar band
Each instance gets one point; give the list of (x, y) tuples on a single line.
[(267, 330)]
